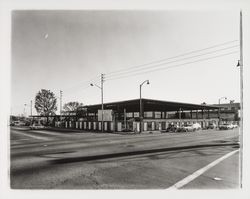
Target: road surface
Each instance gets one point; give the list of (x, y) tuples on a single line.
[(51, 159)]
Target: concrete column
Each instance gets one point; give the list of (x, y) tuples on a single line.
[(85, 125), (134, 126), (100, 126), (80, 125), (119, 126), (145, 126), (76, 125), (112, 126), (153, 126), (70, 125), (66, 124), (89, 126), (94, 125), (160, 127), (105, 126), (138, 126)]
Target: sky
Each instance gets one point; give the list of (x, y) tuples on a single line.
[(66, 50)]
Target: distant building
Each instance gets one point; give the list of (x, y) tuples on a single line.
[(229, 112)]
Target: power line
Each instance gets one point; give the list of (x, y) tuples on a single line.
[(120, 73), (82, 83), (72, 92), (173, 66), (159, 64), (164, 59)]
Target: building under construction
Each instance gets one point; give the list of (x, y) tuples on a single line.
[(125, 115)]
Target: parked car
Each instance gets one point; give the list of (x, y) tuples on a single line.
[(191, 127), (172, 128), (36, 126), (188, 128), (211, 126), (235, 126), (19, 123), (196, 126), (225, 126)]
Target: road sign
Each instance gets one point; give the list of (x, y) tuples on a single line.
[(107, 115)]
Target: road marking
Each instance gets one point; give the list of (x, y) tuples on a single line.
[(32, 136), (199, 172), (218, 179)]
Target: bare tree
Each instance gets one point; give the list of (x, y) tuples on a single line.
[(72, 106)]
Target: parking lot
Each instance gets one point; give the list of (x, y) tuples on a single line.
[(53, 159)]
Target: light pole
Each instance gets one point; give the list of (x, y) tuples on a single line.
[(31, 108), (101, 88), (24, 111), (141, 115), (219, 106), (240, 64)]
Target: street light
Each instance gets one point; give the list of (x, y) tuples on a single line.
[(101, 88), (24, 111), (219, 106), (141, 115)]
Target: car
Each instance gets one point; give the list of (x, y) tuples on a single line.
[(235, 126), (191, 127), (188, 128), (211, 126), (196, 126), (172, 128), (231, 126), (225, 126), (19, 123), (36, 126)]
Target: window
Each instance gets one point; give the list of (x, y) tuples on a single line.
[(136, 114), (129, 114), (158, 115), (148, 114)]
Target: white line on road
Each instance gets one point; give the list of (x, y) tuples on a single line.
[(199, 172), (32, 136)]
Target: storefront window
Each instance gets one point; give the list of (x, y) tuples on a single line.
[(158, 115), (136, 114), (129, 114), (148, 114)]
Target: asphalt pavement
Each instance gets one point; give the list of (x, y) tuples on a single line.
[(53, 159)]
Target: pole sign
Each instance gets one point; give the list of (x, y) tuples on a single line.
[(107, 115)]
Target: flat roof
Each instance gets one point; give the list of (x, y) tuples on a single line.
[(149, 105)]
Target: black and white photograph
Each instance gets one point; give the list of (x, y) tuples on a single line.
[(126, 99)]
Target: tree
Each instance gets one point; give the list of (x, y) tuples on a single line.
[(45, 103), (72, 106)]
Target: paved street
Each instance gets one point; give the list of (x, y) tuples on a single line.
[(46, 159)]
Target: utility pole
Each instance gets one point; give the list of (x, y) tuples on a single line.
[(125, 122), (61, 104), (180, 117), (24, 111), (141, 112), (101, 88), (241, 96), (31, 107), (102, 81)]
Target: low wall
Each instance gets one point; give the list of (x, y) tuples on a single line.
[(148, 125)]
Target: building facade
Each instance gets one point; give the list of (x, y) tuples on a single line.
[(125, 116)]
